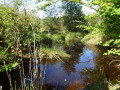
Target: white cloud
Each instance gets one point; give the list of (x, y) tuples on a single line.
[(41, 14), (86, 10)]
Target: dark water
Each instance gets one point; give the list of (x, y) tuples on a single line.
[(85, 67)]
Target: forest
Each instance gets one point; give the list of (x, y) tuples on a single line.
[(64, 41)]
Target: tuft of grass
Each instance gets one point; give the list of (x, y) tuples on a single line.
[(54, 53), (92, 38), (73, 36), (57, 38)]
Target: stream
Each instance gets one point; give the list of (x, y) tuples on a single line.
[(82, 70)]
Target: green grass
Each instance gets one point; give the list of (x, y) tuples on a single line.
[(54, 53), (92, 38), (72, 37)]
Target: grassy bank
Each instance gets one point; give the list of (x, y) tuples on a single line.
[(92, 38)]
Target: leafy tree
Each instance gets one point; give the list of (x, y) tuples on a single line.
[(30, 33), (70, 13), (109, 12)]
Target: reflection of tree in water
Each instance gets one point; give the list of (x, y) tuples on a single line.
[(90, 75), (108, 67), (104, 71), (95, 79), (69, 66), (74, 51)]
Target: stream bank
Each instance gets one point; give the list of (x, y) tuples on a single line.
[(87, 68)]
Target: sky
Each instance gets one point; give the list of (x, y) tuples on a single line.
[(31, 5)]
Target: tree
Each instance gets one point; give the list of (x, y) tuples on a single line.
[(109, 12), (69, 12)]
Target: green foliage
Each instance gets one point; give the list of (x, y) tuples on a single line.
[(12, 65), (106, 22), (108, 11), (9, 67), (30, 32), (107, 43), (115, 44), (73, 37), (2, 53), (72, 14)]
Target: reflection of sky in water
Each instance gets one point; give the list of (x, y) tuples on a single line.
[(55, 74), (85, 57)]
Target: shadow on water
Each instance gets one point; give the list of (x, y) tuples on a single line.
[(87, 69)]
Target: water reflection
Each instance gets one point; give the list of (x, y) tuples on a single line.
[(69, 64), (61, 75), (67, 73), (109, 69), (84, 69)]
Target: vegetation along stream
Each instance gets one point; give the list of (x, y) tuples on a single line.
[(59, 44), (86, 69)]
